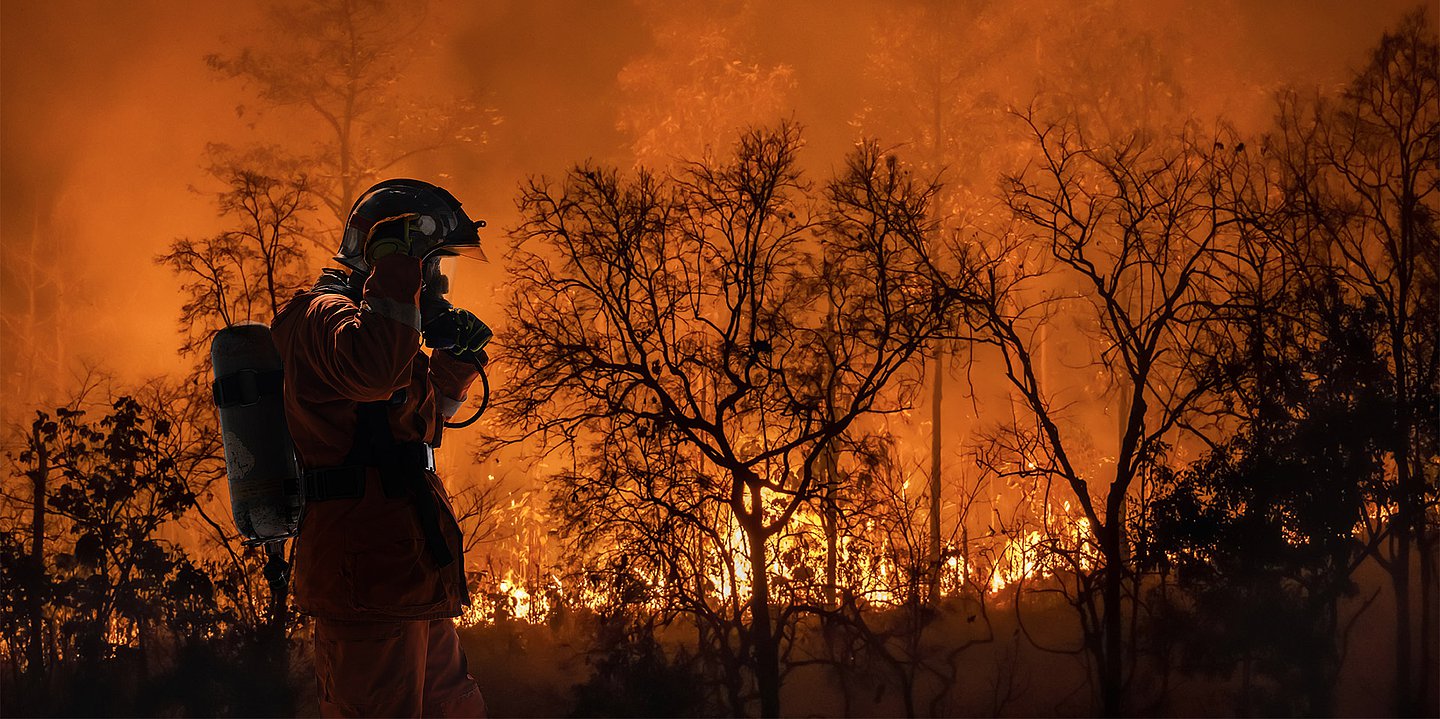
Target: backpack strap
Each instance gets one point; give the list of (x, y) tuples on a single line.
[(402, 468)]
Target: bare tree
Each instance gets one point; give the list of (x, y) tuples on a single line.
[(877, 630), (943, 74), (694, 305), (648, 527), (243, 273), (246, 272), (350, 64), (34, 321), (930, 96), (1122, 235)]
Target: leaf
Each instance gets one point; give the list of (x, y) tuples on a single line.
[(89, 551)]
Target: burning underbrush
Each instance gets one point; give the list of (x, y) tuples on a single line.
[(876, 568)]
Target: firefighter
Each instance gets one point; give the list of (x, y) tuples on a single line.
[(378, 557)]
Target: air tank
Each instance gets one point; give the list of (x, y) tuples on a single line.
[(266, 495)]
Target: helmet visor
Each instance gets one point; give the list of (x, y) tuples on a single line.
[(449, 249), (463, 242)]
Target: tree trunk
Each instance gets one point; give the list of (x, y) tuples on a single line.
[(1408, 516), (830, 516), (832, 530), (1429, 632), (1245, 686), (35, 651), (830, 513), (277, 649), (1324, 666), (1112, 550), (1111, 673), (936, 400), (762, 637), (964, 578), (1400, 585), (1406, 523), (907, 692)]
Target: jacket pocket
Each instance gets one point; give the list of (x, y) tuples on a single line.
[(396, 579)]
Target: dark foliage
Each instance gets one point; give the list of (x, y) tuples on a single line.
[(633, 675), (122, 609), (1261, 533)]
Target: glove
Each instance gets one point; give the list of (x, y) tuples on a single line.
[(407, 234), (460, 333)]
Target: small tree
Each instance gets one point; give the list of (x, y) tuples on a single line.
[(1260, 534), (101, 586), (1362, 172)]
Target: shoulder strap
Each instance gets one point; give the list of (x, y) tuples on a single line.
[(374, 444)]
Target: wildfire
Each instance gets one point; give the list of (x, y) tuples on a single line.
[(1035, 556), (871, 566), (511, 599)]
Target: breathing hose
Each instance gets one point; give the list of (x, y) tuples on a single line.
[(484, 401)]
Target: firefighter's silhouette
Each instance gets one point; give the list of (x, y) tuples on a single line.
[(378, 556)]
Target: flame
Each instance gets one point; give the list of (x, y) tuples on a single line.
[(511, 599), (871, 566)]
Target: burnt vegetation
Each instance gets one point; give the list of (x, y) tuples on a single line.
[(1203, 367)]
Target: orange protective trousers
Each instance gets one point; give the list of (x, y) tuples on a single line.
[(393, 669)]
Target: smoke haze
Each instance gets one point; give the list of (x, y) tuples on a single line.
[(108, 107), (110, 119)]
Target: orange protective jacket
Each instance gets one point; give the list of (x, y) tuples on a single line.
[(366, 558)]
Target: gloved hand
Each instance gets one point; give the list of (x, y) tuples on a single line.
[(407, 234), (460, 333)]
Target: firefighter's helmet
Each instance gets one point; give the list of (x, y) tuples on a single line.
[(447, 229)]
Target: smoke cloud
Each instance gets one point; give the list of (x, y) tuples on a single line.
[(108, 107)]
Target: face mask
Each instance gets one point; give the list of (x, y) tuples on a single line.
[(437, 272)]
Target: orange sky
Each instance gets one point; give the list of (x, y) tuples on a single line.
[(107, 107)]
